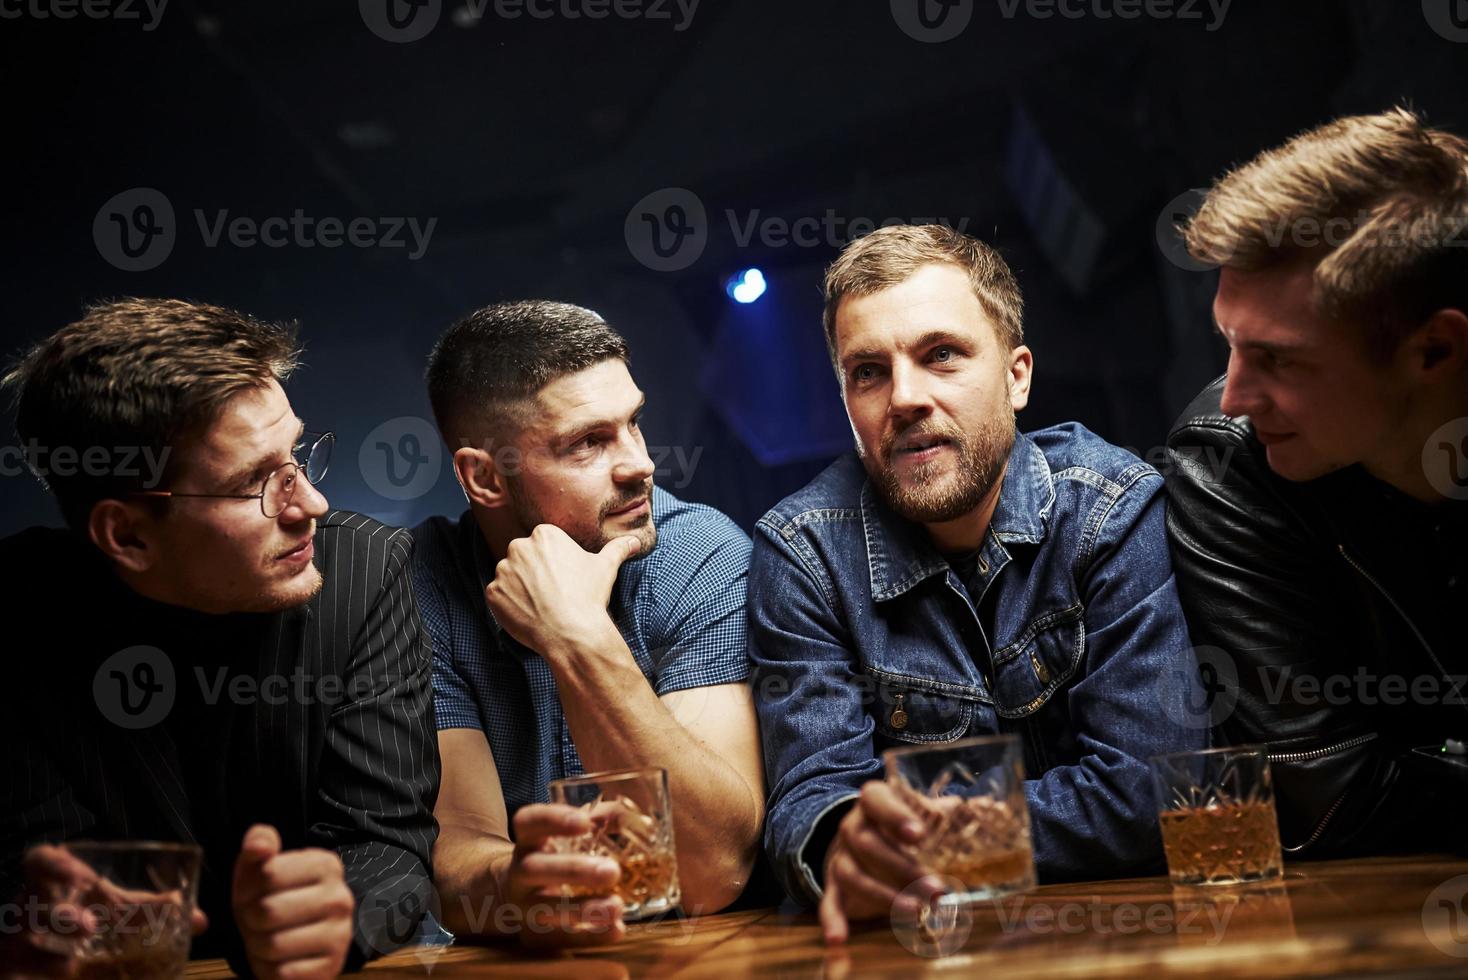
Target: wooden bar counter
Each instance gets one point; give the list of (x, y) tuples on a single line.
[(1397, 916)]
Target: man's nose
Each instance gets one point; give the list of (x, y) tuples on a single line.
[(306, 502), (1241, 394), (910, 395), (633, 465)]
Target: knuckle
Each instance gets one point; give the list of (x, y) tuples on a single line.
[(327, 863), (341, 903)]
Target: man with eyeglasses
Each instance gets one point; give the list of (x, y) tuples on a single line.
[(215, 656)]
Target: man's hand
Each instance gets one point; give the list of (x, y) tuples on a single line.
[(293, 908), (549, 590), (870, 861), (57, 911), (52, 920), (533, 882)]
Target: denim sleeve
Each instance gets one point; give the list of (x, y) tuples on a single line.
[(1098, 818), (816, 732), (701, 589)]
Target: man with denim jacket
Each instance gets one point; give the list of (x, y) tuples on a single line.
[(954, 578)]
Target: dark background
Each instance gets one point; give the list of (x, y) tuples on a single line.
[(535, 144)]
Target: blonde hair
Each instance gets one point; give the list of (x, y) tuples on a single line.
[(888, 256), (1379, 203)]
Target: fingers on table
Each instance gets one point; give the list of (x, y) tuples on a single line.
[(555, 921)]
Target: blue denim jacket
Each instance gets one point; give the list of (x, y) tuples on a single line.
[(853, 612)]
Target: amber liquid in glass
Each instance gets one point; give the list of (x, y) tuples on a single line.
[(1225, 844), (156, 963), (643, 851)]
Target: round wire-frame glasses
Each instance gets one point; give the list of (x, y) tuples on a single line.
[(279, 485)]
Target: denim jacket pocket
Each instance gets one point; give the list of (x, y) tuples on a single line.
[(1043, 657), (916, 710)]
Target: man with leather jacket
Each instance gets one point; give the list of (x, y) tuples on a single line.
[(1319, 490)]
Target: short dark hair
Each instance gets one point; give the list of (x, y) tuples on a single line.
[(487, 365), (137, 375)]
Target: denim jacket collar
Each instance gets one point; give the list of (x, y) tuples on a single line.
[(900, 552)]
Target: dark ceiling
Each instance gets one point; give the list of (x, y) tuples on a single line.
[(525, 141)]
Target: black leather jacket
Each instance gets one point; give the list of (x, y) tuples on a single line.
[(1328, 617)]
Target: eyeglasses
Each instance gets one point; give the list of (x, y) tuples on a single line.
[(277, 489)]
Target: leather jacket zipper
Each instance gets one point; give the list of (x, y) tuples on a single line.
[(1349, 743), (1319, 828)]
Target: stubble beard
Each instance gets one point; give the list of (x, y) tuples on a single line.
[(928, 496), (590, 536)]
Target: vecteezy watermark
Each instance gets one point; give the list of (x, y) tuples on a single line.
[(148, 12), (1170, 221), (405, 21), (933, 21), (668, 230), (1098, 917), (153, 921), (1209, 461), (1423, 233), (135, 688), (936, 21), (1281, 685), (548, 914), (1449, 18), (136, 230), (391, 914), (1201, 697), (1445, 459), (931, 928), (401, 459), (1445, 917), (400, 21), (304, 231), (123, 462), (1211, 12)]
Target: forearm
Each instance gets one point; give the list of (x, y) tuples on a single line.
[(470, 869), (617, 721)]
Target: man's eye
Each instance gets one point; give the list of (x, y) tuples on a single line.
[(943, 354), (863, 372)]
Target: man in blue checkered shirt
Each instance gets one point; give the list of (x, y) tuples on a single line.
[(581, 621)]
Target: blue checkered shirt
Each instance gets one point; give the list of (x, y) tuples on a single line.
[(680, 610)]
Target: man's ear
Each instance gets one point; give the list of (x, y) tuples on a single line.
[(1438, 349), (126, 533), (482, 482), (1021, 370)]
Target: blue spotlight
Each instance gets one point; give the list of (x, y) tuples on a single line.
[(747, 286)]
